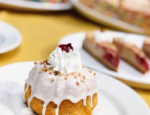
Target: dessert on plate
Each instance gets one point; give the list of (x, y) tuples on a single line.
[(137, 14), (146, 47), (107, 7), (61, 85), (134, 12), (97, 44), (130, 53)]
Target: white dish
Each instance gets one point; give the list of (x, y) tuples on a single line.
[(34, 6), (104, 19), (126, 73), (10, 37), (114, 97), (5, 110)]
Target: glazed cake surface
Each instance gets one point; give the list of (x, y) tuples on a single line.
[(50, 92)]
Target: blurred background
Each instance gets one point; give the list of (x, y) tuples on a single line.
[(40, 25)]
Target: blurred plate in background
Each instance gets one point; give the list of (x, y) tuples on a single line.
[(104, 19), (10, 37), (125, 73), (34, 6)]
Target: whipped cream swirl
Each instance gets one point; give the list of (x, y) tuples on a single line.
[(65, 62)]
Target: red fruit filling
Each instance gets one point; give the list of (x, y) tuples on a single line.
[(111, 56), (143, 62), (65, 47)]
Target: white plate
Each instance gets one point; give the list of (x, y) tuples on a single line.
[(126, 73), (104, 19), (34, 6), (10, 37), (5, 110), (114, 97)]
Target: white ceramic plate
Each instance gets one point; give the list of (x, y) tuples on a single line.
[(104, 19), (10, 38), (126, 73), (34, 6), (5, 110), (114, 97)]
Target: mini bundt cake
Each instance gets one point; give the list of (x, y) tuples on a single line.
[(61, 85)]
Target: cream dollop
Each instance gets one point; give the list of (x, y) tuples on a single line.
[(65, 62)]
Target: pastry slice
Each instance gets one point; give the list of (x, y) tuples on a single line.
[(146, 47), (102, 50), (130, 53)]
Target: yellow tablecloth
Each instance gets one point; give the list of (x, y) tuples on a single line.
[(41, 33)]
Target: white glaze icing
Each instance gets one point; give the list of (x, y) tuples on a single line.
[(65, 62), (60, 89)]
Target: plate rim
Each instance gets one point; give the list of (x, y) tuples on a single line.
[(124, 86), (15, 45), (126, 81), (28, 5)]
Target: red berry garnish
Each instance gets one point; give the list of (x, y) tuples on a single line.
[(65, 47)]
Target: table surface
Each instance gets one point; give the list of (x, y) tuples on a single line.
[(41, 33)]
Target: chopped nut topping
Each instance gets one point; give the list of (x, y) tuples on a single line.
[(56, 72), (71, 73), (45, 66), (79, 74), (50, 69), (94, 73), (65, 78), (50, 72), (36, 68), (84, 77), (75, 77), (83, 66), (41, 71), (53, 79), (61, 74), (45, 70), (77, 83), (90, 71), (82, 80), (41, 63), (44, 63), (35, 62)]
